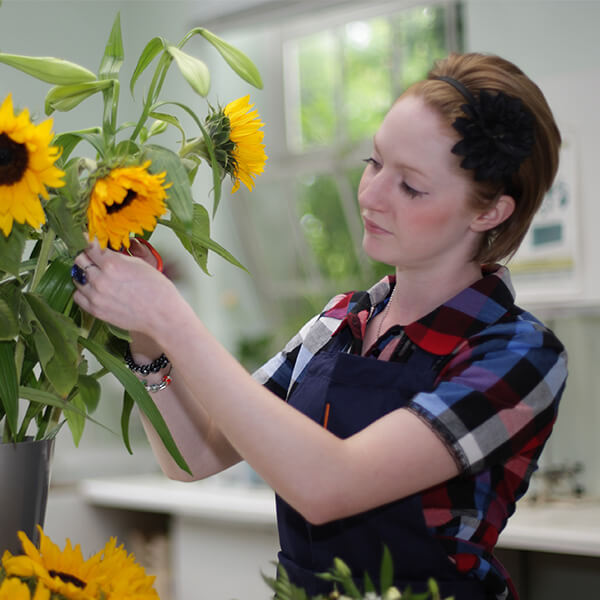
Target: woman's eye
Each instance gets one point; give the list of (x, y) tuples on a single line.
[(411, 191), (371, 161)]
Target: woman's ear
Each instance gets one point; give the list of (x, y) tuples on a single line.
[(493, 216)]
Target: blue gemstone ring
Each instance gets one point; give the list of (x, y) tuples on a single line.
[(78, 275)]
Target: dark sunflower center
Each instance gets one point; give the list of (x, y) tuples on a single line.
[(68, 578), (115, 207), (13, 160)]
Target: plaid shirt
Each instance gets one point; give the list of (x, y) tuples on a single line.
[(500, 375)]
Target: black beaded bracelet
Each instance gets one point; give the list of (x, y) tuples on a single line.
[(154, 367)]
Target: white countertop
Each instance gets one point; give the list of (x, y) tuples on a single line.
[(216, 498), (569, 527)]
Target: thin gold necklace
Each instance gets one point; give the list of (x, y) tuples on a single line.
[(385, 313)]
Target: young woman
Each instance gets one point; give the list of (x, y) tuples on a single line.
[(413, 414)]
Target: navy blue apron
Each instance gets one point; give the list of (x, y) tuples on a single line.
[(348, 392)]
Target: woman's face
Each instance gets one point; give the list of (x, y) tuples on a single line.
[(412, 195)]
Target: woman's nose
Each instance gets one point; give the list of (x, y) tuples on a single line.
[(372, 192)]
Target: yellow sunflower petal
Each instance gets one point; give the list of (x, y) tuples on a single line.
[(41, 592), (14, 589), (127, 201), (248, 154), (27, 167)]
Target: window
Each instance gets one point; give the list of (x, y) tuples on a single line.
[(341, 74)]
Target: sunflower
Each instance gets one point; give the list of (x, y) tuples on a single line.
[(126, 580), (14, 589), (26, 167), (63, 572), (237, 139), (126, 201)]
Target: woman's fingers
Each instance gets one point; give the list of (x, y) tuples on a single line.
[(95, 254)]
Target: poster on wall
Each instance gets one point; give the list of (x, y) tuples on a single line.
[(547, 265)]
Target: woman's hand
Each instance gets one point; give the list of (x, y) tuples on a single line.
[(124, 290)]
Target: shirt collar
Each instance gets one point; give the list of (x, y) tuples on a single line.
[(442, 330)]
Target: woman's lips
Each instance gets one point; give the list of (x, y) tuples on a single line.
[(372, 227)]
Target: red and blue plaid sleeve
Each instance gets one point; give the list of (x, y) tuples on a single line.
[(498, 395)]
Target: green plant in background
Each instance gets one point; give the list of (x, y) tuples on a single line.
[(52, 199), (344, 585)]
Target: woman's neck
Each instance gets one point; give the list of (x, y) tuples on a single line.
[(417, 294)]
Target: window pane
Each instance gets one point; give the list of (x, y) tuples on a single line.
[(367, 84), (422, 36), (317, 82), (324, 226)]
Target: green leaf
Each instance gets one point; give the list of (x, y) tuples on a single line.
[(201, 227), (170, 120), (217, 172), (49, 399), (11, 250), (9, 321), (89, 391), (56, 341), (127, 148), (65, 97), (76, 418), (369, 585), (153, 47), (49, 69), (386, 571), (9, 385), (128, 404), (69, 140), (235, 58), (184, 107), (179, 199), (193, 69), (62, 219), (122, 334), (202, 240), (135, 388), (56, 285), (113, 53)]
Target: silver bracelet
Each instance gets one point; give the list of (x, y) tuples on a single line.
[(165, 382)]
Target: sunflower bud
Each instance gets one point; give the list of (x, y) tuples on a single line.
[(49, 69)]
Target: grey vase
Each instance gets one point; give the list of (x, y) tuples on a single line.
[(24, 481)]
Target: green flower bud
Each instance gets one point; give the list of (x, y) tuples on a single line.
[(65, 97), (235, 58), (193, 69), (49, 69)]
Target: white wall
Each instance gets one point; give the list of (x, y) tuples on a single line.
[(556, 43)]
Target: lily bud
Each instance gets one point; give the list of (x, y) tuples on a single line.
[(51, 70), (193, 69), (235, 58), (65, 97)]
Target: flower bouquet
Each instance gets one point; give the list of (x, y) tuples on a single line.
[(52, 200), (47, 573), (345, 586)]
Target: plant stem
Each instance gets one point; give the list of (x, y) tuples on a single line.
[(195, 146), (155, 86), (42, 260), (100, 373)]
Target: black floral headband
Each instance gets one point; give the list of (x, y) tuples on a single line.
[(497, 134)]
